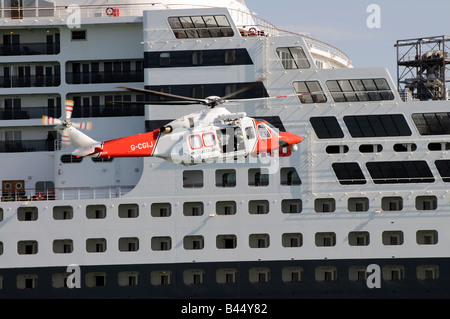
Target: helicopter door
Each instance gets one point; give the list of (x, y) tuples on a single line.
[(232, 140), (250, 138)]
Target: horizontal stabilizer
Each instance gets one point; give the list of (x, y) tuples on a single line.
[(87, 151)]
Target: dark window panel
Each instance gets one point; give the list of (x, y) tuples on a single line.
[(258, 91), (197, 58), (360, 90), (432, 123), (326, 127), (443, 167), (349, 173), (400, 172), (377, 125)]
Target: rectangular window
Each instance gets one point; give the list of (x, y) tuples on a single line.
[(349, 173), (432, 123), (400, 172), (377, 125), (360, 90), (201, 27), (293, 58), (310, 92), (78, 35), (195, 58), (443, 167), (326, 127)]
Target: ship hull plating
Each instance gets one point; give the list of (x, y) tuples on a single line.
[(276, 287)]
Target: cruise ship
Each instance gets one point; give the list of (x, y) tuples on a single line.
[(360, 210)]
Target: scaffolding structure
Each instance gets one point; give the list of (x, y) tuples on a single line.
[(423, 68)]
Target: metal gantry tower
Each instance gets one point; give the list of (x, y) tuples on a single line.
[(423, 68)]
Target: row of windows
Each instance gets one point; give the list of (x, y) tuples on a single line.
[(226, 241), (358, 90), (308, 91), (87, 106), (393, 172), (290, 274), (201, 90), (46, 41), (224, 208), (375, 125), (49, 75), (197, 58), (378, 148), (211, 26), (104, 71), (387, 125)]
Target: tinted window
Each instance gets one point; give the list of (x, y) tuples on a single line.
[(349, 173), (443, 167), (310, 92), (432, 123), (293, 58), (377, 125), (326, 127), (200, 27), (400, 172), (360, 90)]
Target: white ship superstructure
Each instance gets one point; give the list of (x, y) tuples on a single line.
[(368, 185)]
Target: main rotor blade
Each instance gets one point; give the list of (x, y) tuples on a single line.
[(162, 94), (154, 102), (274, 97), (243, 89)]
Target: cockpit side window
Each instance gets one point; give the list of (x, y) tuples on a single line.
[(249, 133), (263, 131)]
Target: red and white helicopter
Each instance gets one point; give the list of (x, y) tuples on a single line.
[(213, 135)]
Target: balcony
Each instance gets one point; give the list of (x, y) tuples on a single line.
[(29, 49), (104, 77), (15, 81), (25, 113), (21, 146)]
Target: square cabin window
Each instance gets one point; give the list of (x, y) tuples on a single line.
[(78, 35)]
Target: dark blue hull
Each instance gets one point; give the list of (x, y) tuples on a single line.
[(275, 287)]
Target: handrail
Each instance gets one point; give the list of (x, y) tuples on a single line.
[(68, 193)]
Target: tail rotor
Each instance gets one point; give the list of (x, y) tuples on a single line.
[(63, 126)]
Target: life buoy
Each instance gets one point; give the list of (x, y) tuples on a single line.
[(40, 196), (252, 32), (109, 11)]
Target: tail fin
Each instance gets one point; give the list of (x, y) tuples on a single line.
[(83, 144)]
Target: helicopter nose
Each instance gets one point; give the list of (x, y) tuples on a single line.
[(287, 139)]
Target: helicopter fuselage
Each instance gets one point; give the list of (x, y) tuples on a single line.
[(205, 137)]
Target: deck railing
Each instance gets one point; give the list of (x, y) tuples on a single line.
[(71, 193)]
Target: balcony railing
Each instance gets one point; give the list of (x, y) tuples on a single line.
[(27, 146), (25, 113), (113, 110), (15, 81), (104, 77), (109, 110), (29, 49)]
